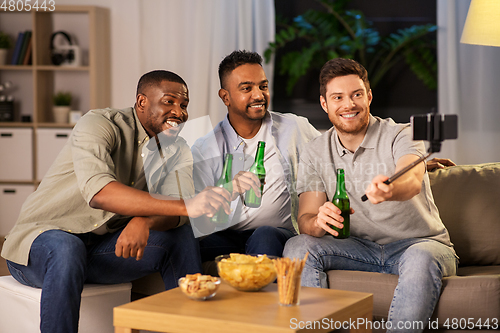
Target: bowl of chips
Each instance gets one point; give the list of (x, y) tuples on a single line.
[(246, 272), (199, 287)]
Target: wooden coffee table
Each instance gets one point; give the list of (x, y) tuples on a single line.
[(236, 311)]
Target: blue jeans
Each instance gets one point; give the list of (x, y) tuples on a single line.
[(60, 263), (420, 263), (263, 240)]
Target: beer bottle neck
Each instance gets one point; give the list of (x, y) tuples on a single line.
[(226, 171), (340, 192), (259, 156)]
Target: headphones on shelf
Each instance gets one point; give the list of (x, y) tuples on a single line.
[(64, 54)]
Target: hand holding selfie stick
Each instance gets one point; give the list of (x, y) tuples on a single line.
[(401, 172), (431, 127)]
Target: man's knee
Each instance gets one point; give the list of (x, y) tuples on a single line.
[(266, 233), (59, 243), (297, 246), (428, 257), (61, 251)]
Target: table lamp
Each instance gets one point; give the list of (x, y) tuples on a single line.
[(482, 26)]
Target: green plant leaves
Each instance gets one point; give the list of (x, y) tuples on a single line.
[(340, 32), (295, 64), (62, 98)]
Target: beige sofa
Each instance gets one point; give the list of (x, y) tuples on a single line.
[(468, 199)]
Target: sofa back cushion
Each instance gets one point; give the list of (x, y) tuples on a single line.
[(468, 199)]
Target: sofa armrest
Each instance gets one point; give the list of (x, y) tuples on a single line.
[(467, 197)]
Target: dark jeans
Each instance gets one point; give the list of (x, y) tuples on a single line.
[(263, 240), (60, 263)]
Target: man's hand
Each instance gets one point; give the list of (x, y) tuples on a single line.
[(208, 202), (404, 188), (439, 163), (133, 239), (378, 191), (329, 214), (243, 181)]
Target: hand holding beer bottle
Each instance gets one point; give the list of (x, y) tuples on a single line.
[(251, 198), (341, 200), (225, 181)]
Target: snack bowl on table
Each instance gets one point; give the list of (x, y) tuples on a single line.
[(199, 287), (246, 272)]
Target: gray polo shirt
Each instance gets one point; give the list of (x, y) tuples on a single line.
[(384, 143), (106, 145)]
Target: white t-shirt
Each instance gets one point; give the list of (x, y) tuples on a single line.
[(275, 209)]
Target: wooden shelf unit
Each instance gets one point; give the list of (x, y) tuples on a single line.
[(96, 66), (34, 85)]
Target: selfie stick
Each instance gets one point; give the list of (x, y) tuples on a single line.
[(401, 172)]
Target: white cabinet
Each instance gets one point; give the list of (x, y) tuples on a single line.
[(16, 154), (28, 149), (49, 143), (12, 198)]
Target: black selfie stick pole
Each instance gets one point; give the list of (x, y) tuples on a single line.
[(435, 130), (401, 172)]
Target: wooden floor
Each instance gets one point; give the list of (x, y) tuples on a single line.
[(3, 265)]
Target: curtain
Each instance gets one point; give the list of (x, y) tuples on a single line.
[(188, 37), (469, 77), (191, 37)]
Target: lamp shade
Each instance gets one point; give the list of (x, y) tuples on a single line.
[(482, 26)]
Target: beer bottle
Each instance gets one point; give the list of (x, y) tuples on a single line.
[(257, 168), (225, 181), (341, 200)]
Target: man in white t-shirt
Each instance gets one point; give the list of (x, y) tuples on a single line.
[(264, 230)]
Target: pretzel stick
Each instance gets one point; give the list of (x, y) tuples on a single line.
[(289, 282), (288, 272)]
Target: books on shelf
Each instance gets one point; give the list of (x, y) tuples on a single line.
[(27, 56), (22, 49), (17, 48)]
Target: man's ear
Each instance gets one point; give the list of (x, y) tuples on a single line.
[(140, 102), (322, 101), (224, 95), (370, 97)]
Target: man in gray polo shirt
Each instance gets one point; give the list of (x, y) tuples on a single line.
[(399, 230)]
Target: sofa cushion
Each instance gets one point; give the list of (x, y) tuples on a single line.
[(467, 197), (474, 296), (379, 284)]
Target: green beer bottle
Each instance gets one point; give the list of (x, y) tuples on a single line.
[(257, 168), (225, 181), (341, 200)]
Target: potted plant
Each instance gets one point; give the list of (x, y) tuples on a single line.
[(62, 106), (5, 44), (340, 32)]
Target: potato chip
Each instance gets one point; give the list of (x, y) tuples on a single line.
[(246, 272)]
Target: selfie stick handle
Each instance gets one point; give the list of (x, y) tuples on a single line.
[(400, 173)]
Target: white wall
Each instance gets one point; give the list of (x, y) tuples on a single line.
[(469, 75), (188, 37), (125, 59)]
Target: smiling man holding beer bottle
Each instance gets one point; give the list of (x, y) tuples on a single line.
[(249, 127), (399, 230)]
